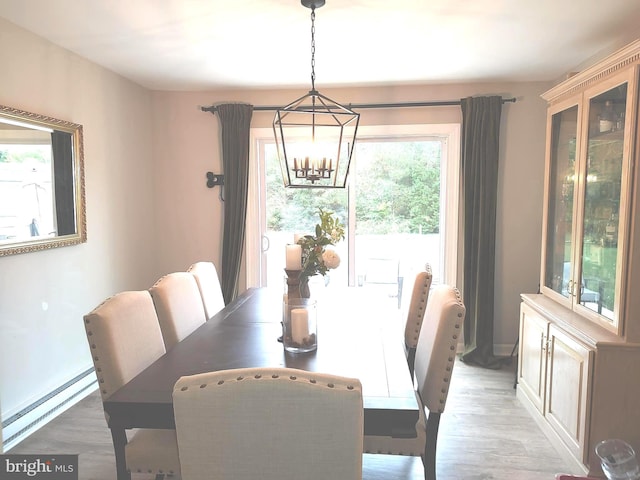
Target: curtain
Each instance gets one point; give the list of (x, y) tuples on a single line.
[(235, 120), (63, 181), (480, 145)]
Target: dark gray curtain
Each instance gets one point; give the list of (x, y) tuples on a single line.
[(63, 181), (235, 120), (480, 142)]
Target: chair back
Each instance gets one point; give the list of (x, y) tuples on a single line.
[(124, 338), (269, 423), (179, 306), (437, 345), (417, 307), (209, 285)]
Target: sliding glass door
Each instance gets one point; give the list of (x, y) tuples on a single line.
[(400, 210)]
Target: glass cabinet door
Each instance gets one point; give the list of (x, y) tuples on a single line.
[(563, 174), (602, 198)]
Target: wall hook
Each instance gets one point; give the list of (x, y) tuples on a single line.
[(213, 180)]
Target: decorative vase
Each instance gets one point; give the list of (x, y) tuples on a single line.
[(299, 325)]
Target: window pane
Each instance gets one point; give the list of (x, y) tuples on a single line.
[(602, 201), (560, 209)]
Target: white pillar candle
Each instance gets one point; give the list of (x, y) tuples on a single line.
[(299, 325), (294, 257)]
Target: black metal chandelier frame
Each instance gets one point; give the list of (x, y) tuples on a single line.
[(318, 114)]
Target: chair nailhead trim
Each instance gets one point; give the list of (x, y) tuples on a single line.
[(330, 385), (184, 389), (204, 385), (258, 376), (220, 382), (313, 380), (293, 377)]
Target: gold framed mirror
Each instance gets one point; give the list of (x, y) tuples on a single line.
[(42, 197)]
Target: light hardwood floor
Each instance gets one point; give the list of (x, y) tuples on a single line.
[(485, 433)]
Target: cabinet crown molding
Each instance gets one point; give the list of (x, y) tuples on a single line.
[(617, 60)]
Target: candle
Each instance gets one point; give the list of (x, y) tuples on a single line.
[(294, 257), (297, 237), (299, 325)]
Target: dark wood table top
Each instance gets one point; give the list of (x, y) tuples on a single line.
[(351, 343)]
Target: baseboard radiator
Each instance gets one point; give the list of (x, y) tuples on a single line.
[(23, 423)]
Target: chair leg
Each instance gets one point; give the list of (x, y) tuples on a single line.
[(429, 457), (119, 441)]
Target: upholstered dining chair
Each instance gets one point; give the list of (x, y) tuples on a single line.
[(269, 423), (179, 306), (209, 285), (415, 314), (124, 338), (434, 361)]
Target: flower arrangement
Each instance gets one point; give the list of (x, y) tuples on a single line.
[(316, 257)]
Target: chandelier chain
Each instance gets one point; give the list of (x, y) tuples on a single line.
[(313, 47)]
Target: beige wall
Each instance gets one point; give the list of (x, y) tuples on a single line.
[(149, 211), (43, 295)]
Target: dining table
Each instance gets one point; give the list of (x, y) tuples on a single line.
[(354, 338)]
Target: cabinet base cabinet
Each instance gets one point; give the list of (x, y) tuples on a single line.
[(580, 383)]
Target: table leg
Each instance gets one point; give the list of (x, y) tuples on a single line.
[(119, 441)]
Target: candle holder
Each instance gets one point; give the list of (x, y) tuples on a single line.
[(293, 283), (299, 326)]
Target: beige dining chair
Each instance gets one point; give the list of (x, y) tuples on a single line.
[(209, 286), (415, 314), (124, 338), (435, 358), (269, 424), (179, 306)]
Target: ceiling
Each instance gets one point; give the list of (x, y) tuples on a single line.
[(212, 44)]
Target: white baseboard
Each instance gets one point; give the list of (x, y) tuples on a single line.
[(19, 426), (504, 350), (499, 350)]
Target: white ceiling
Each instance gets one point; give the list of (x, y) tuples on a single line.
[(212, 44)]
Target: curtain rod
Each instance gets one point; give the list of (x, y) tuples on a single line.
[(445, 103)]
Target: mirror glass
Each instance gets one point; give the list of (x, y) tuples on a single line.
[(42, 200)]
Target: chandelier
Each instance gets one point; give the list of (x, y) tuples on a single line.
[(315, 135)]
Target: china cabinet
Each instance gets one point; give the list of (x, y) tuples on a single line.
[(579, 350)]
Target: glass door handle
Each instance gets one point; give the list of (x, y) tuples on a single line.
[(265, 243)]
